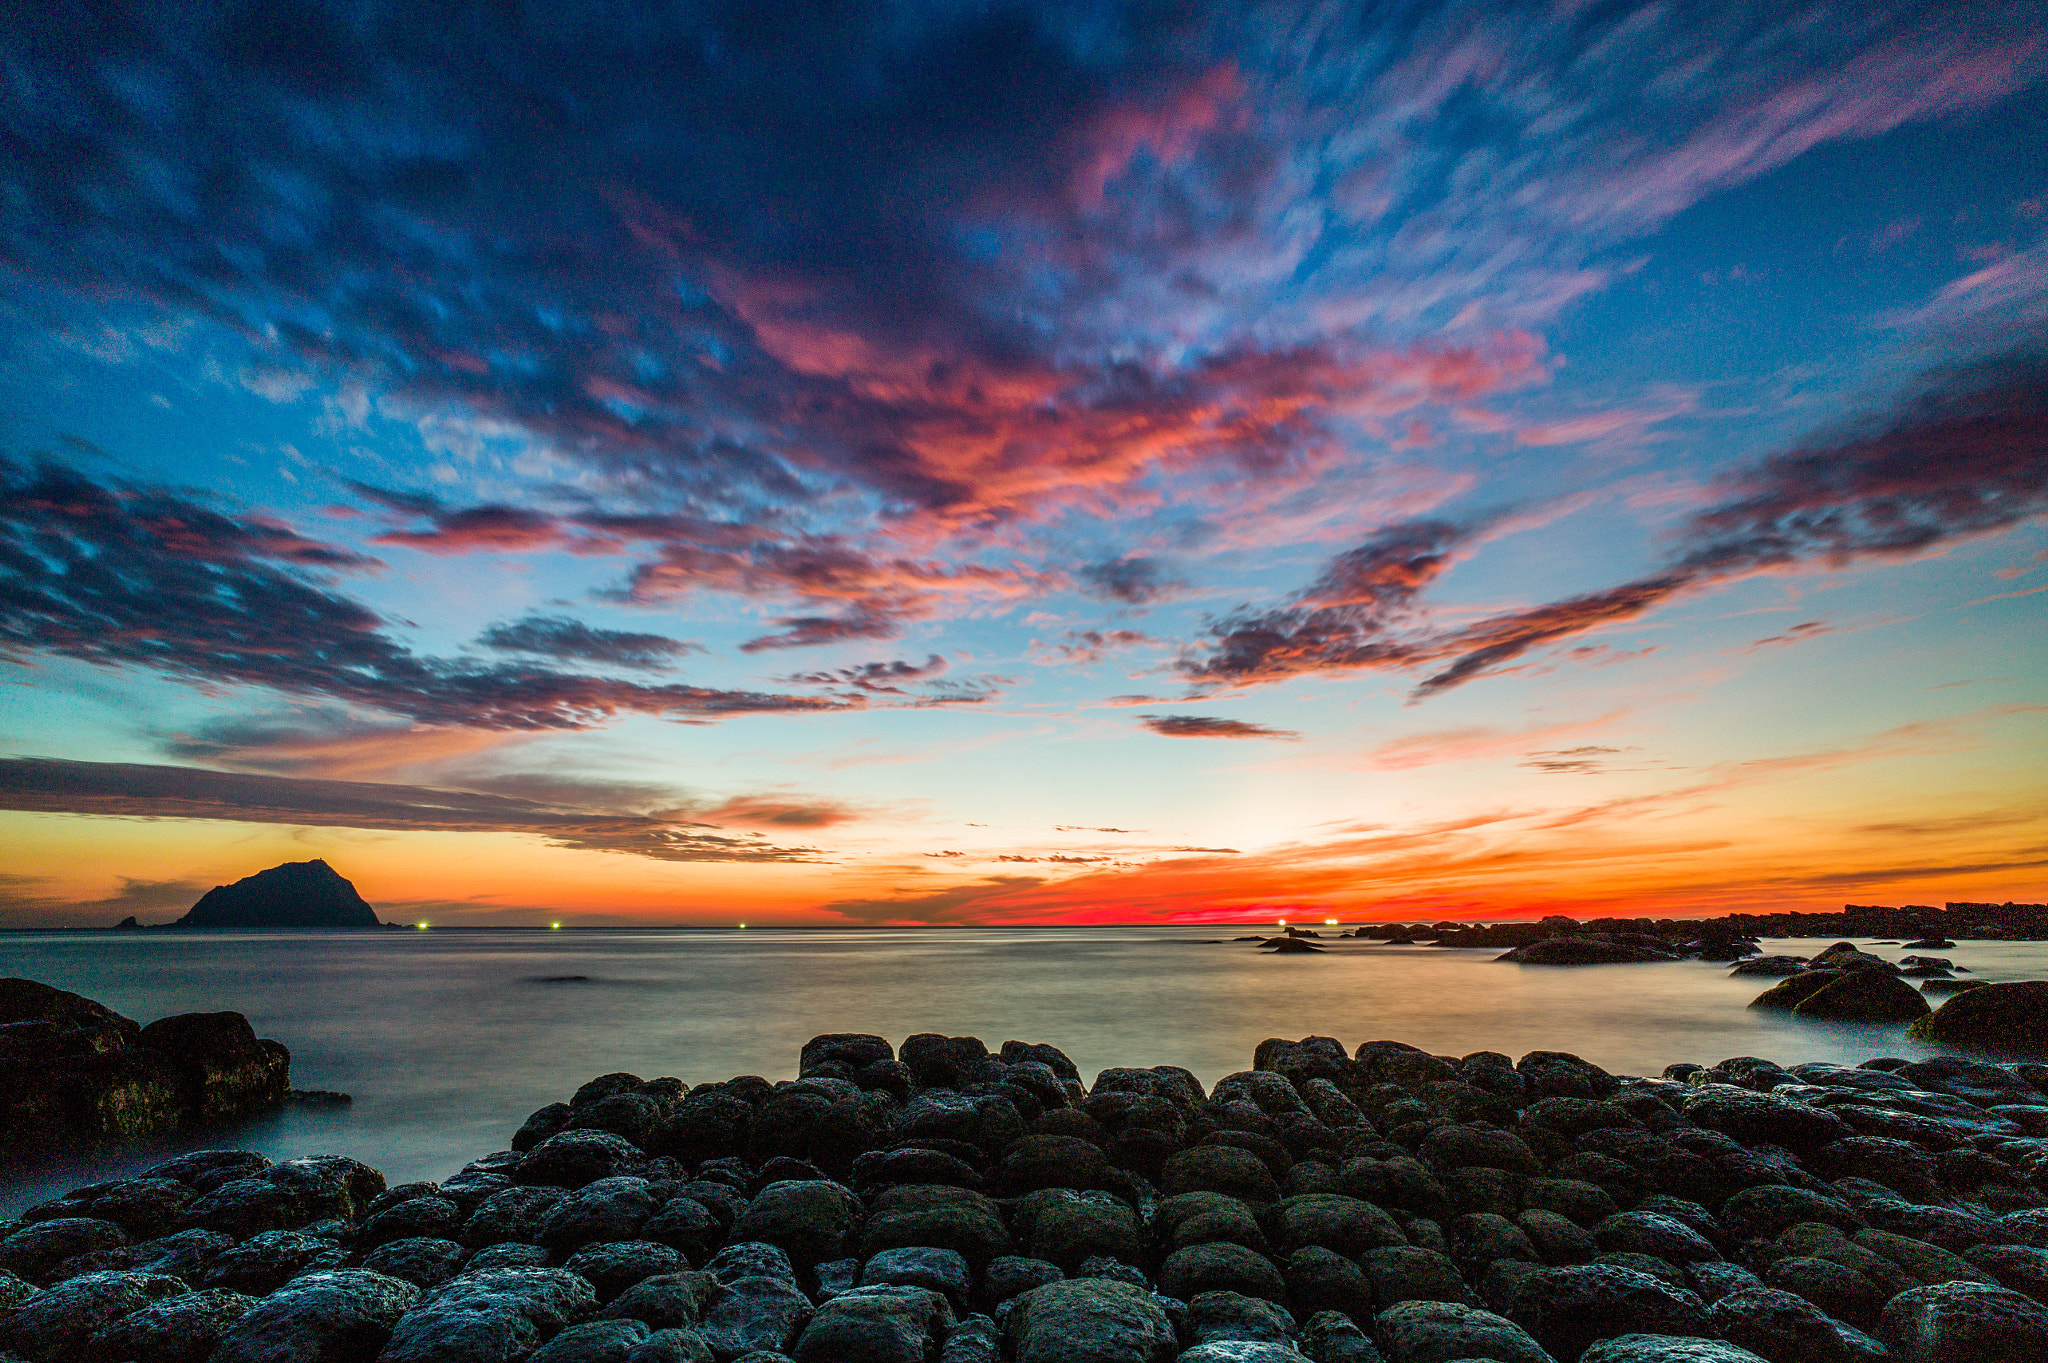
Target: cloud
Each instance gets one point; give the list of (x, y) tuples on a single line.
[(1089, 646), (141, 576), (566, 639), (776, 811), (1135, 581), (878, 678), (1208, 726), (139, 791), (955, 905), (1585, 760), (1959, 457), (1794, 634)]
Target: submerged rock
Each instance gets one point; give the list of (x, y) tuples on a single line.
[(1863, 996), (2009, 1017), (1584, 951)]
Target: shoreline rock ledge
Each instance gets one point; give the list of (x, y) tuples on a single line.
[(298, 894), (940, 1202)]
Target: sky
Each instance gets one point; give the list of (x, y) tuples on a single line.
[(947, 463)]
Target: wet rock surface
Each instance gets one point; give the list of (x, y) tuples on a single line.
[(960, 1203)]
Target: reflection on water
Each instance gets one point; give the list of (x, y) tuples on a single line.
[(449, 1039)]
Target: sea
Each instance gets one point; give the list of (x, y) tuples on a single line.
[(448, 1038)]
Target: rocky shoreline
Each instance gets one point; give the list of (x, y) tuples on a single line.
[(939, 1203)]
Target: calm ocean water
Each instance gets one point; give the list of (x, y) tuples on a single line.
[(449, 1039)]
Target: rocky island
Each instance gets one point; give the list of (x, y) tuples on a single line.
[(941, 1203), (298, 894)]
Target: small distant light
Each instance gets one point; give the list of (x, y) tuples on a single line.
[(554, 925), (1283, 922), (1329, 922), (421, 925), (743, 925)]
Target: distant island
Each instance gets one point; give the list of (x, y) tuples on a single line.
[(298, 894)]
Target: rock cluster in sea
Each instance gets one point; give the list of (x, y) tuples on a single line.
[(73, 1071), (936, 1203)]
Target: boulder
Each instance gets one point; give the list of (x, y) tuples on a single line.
[(31, 1251), (54, 1325), (495, 1316), (1440, 1332), (811, 1220), (668, 1300), (422, 1262), (1965, 1323), (606, 1210), (958, 1219), (1863, 996), (755, 1312), (1089, 1320), (943, 1271), (227, 1071), (876, 1325), (1666, 1349), (2003, 1017), (1794, 990), (616, 1265), (1067, 1228), (1584, 951), (1567, 1309), (1220, 1267), (184, 1328), (339, 1317), (263, 1263)]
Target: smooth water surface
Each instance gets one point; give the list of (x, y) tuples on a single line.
[(448, 1039)]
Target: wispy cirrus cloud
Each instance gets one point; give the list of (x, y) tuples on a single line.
[(1209, 726), (568, 639), (145, 577), (137, 790), (1964, 455)]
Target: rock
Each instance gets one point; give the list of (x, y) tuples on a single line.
[(1280, 946), (1220, 1267), (422, 1262), (433, 1217), (1769, 1209), (144, 1207), (1583, 951), (943, 1271), (184, 1328), (226, 1071), (1228, 1317), (1794, 990), (495, 1316), (35, 1249), (298, 894), (1441, 1332), (1751, 1117), (810, 1220), (751, 1259), (1089, 1320), (1835, 1288), (1863, 996), (1011, 1275), (1223, 1169), (1066, 1228), (1666, 1349), (263, 1263), (2005, 1017), (1781, 1327), (594, 1341), (754, 1313), (613, 1267), (1401, 1273), (667, 1300), (1323, 1280), (515, 1214), (338, 1317), (1567, 1309), (2022, 1268), (1329, 1337), (1965, 1323), (1642, 1232), (54, 1325), (1348, 1225), (606, 1210), (1771, 965), (574, 1159), (876, 1325), (947, 1062)]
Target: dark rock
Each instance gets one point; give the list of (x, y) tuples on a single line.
[(2005, 1017), (226, 1071), (54, 1325), (1579, 1201), (1794, 990), (545, 1122), (1840, 1291), (668, 1300), (614, 1266), (33, 1250), (1089, 1320), (1716, 1279), (594, 1341), (185, 1328), (1567, 1309), (754, 1313), (1348, 1225), (876, 1325), (298, 894), (751, 1259), (1220, 1266), (1224, 1169), (1781, 1327), (1556, 1238), (432, 1217), (338, 1317), (265, 1262), (686, 1226), (2022, 1268), (608, 1209), (1751, 1117), (488, 1317), (948, 1218), (854, 1050), (1066, 1228), (1641, 1348), (1440, 1332), (575, 1158), (1584, 951), (1323, 1280), (422, 1262), (887, 1168), (1328, 1337), (1401, 1273), (1011, 1275), (975, 1339), (947, 1062), (204, 1170), (940, 1270), (144, 1207), (1863, 996), (514, 1214), (1286, 945), (1228, 1317), (1769, 1209), (1643, 1232), (1771, 965), (1965, 1323)]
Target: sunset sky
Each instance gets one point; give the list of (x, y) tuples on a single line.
[(868, 463)]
